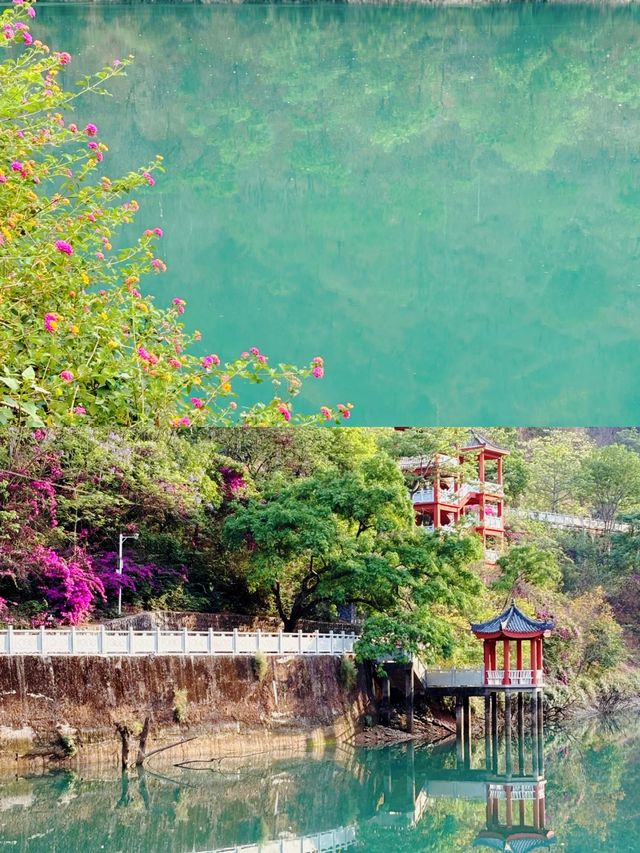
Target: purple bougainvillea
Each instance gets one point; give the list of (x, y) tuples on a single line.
[(69, 584), (233, 481)]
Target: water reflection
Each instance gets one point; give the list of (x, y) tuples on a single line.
[(398, 188), (405, 798)]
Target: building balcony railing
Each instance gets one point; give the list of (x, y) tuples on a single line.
[(493, 522), (452, 497), (491, 555), (517, 677), (422, 496)]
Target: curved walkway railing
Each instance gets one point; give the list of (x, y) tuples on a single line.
[(100, 641)]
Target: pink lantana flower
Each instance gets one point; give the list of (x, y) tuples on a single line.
[(64, 247), (64, 58), (147, 356), (90, 129), (51, 321), (149, 178), (209, 361), (325, 411), (284, 411), (318, 372), (79, 410), (197, 402), (66, 375), (179, 303)]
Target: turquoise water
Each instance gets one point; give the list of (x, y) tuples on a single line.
[(403, 799), (445, 203)]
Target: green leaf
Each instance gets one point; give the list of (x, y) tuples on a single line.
[(10, 382)]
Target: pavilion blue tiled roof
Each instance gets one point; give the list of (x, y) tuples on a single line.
[(515, 845), (513, 620)]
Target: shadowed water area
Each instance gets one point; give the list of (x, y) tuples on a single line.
[(402, 799), (443, 202)]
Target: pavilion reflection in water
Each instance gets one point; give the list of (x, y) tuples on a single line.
[(513, 790)]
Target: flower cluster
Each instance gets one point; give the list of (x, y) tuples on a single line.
[(84, 339)]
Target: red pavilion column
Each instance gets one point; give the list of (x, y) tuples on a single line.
[(519, 654), (534, 661), (506, 659), (540, 660), (492, 655), (487, 660)]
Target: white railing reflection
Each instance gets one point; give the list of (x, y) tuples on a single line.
[(322, 842), (99, 641)]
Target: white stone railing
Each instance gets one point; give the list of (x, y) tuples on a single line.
[(491, 555), (517, 677), (453, 678), (493, 522), (559, 519), (100, 641)]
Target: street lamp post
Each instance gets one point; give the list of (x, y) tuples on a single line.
[(121, 540)]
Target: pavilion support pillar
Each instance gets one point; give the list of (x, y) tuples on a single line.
[(487, 731), (487, 659), (385, 705), (540, 727), (507, 733), (534, 661), (408, 695), (509, 798), (521, 761), (459, 731), (494, 730), (466, 713), (522, 812), (534, 733), (519, 654)]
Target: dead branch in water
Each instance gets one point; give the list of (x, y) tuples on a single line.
[(164, 748)]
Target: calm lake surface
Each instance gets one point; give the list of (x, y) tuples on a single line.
[(402, 799), (445, 203)]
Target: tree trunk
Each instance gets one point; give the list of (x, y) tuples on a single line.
[(124, 733), (142, 743)]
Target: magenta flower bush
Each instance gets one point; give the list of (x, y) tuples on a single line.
[(79, 338)]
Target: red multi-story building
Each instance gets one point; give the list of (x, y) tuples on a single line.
[(466, 488)]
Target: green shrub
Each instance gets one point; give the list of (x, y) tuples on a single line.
[(348, 673), (180, 705), (260, 666), (68, 743)]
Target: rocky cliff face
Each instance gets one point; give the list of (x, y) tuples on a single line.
[(67, 709)]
